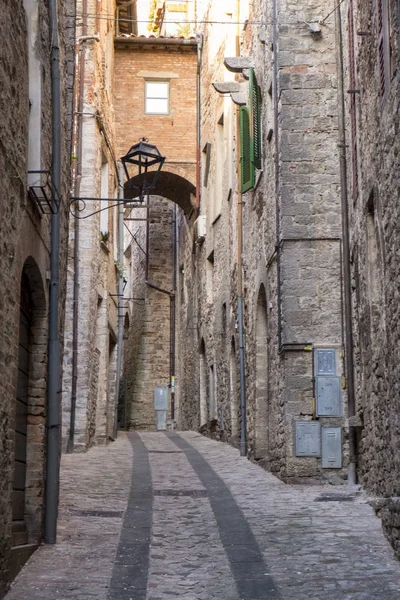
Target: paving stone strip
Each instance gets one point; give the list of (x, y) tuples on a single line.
[(130, 574), (246, 560)]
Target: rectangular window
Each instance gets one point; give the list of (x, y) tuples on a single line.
[(157, 97)]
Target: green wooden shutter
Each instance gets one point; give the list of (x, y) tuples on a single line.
[(255, 104), (246, 151)]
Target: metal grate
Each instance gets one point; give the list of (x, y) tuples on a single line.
[(43, 192), (109, 514), (189, 493), (335, 497), (164, 451)]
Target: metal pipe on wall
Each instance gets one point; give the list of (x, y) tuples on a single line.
[(173, 316), (352, 474), (198, 122), (54, 365), (120, 292), (77, 178), (242, 363), (278, 247)]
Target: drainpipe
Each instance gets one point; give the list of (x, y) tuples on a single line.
[(120, 290), (352, 475), (77, 178), (54, 366), (172, 318), (242, 366), (278, 247), (198, 128)]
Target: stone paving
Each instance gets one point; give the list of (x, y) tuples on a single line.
[(159, 516)]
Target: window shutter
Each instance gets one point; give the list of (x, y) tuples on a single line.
[(246, 151), (255, 104)]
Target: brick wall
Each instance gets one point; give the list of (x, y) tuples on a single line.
[(97, 312)]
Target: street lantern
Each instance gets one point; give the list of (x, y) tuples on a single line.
[(144, 156)]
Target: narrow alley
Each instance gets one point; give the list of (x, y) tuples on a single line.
[(159, 516)]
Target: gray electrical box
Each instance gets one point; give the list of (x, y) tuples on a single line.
[(331, 447), (325, 361), (328, 391), (308, 438), (161, 420), (161, 398)]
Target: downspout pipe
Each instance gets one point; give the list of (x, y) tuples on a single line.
[(278, 245), (77, 178), (242, 364), (198, 117), (120, 291), (352, 474), (54, 365), (172, 317)]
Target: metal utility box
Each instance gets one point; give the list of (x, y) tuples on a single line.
[(161, 420), (161, 406), (161, 398), (325, 362), (329, 396), (308, 438), (331, 448)]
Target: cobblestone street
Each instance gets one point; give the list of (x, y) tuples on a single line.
[(159, 516)]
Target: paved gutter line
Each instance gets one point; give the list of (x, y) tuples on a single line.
[(245, 558), (130, 573)]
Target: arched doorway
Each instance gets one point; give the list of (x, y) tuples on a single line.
[(233, 394), (30, 410), (19, 529), (203, 385), (261, 445)]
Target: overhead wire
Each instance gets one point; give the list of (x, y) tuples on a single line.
[(174, 22)]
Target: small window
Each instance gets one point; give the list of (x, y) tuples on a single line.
[(157, 97)]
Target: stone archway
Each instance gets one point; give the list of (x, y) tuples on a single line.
[(169, 185), (261, 445), (30, 410)]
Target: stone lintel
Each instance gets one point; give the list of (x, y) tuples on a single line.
[(226, 87), (236, 64), (239, 98)]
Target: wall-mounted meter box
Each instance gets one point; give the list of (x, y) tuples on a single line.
[(328, 392), (161, 398), (325, 362), (308, 438), (331, 447)]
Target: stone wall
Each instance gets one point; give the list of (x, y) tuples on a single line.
[(25, 234), (147, 349), (97, 279), (374, 208), (291, 239)]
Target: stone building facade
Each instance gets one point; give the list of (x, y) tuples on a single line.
[(89, 381), (291, 251), (26, 146), (147, 67), (372, 68)]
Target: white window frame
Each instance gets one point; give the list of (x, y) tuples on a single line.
[(146, 97)]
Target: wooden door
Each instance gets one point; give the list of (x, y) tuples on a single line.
[(19, 482)]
